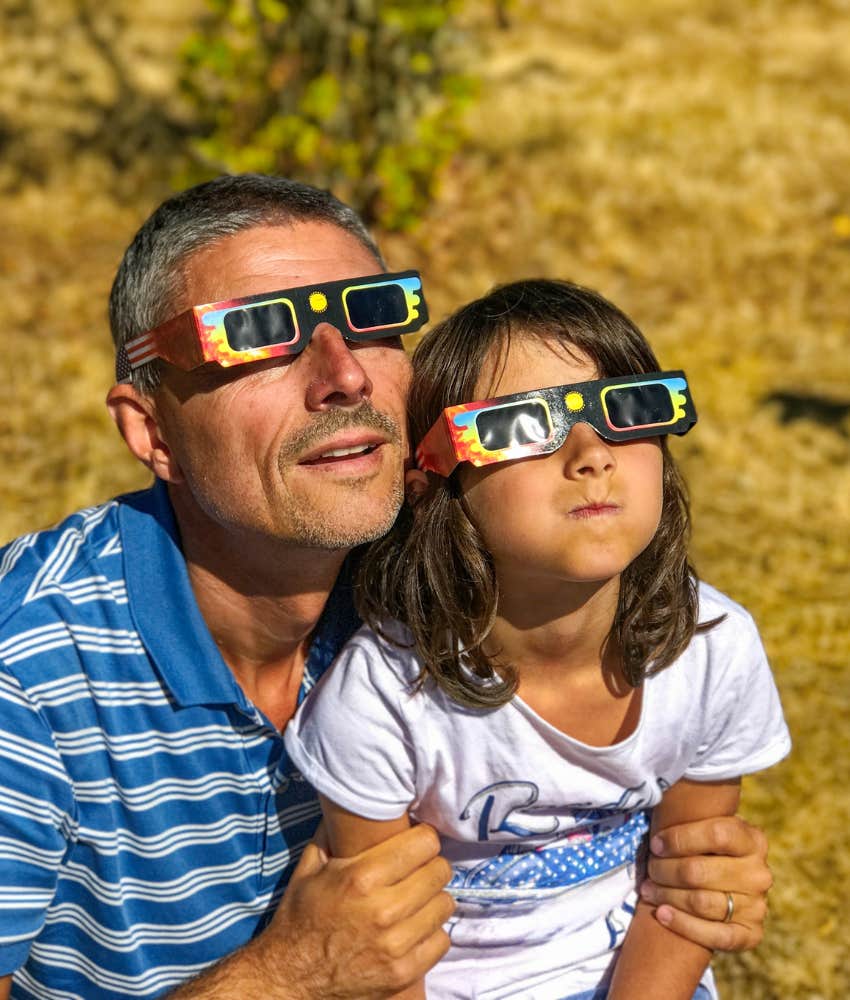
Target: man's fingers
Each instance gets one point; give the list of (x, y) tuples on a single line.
[(725, 835), (417, 900), (403, 936), (427, 953), (396, 858), (411, 966), (700, 915), (411, 894), (312, 861), (408, 948), (368, 925), (706, 904), (712, 934), (703, 903), (716, 872)]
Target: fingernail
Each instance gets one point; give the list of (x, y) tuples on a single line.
[(656, 845), (664, 915), (647, 891)]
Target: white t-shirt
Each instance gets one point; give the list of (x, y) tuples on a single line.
[(543, 832)]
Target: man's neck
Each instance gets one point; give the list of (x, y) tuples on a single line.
[(261, 601), (263, 638)]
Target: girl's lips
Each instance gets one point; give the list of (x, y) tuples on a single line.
[(594, 510)]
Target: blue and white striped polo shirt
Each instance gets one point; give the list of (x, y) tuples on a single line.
[(149, 816)]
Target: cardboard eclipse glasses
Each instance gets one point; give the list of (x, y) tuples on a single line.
[(537, 422), (274, 324)]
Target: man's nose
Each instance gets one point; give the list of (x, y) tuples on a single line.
[(586, 454), (338, 377)]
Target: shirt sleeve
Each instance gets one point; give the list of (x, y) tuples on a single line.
[(740, 706), (351, 736), (36, 822)]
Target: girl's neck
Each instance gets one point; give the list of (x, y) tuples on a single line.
[(554, 626), (569, 670)]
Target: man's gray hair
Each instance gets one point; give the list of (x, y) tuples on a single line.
[(150, 277)]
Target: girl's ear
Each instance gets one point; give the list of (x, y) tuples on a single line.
[(415, 485)]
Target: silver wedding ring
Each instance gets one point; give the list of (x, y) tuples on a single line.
[(730, 908)]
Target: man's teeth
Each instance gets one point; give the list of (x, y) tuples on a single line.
[(342, 452)]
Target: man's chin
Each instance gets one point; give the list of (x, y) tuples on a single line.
[(338, 528)]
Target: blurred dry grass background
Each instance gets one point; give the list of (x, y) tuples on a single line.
[(691, 163)]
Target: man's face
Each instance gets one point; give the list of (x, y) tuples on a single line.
[(306, 449)]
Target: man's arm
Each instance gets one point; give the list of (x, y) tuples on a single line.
[(346, 928), (692, 867), (654, 961)]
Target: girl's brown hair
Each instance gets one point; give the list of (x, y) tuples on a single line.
[(433, 572)]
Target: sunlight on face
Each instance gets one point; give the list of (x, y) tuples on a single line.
[(307, 449), (578, 515)]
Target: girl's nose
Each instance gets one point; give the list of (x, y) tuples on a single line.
[(586, 454)]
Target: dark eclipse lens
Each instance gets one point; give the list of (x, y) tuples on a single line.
[(379, 306), (262, 326), (508, 426), (639, 405)]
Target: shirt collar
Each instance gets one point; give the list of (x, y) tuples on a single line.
[(170, 623)]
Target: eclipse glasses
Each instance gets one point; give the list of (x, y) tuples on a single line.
[(537, 422), (275, 324)]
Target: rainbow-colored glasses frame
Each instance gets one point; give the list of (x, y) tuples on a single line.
[(537, 422), (238, 331)]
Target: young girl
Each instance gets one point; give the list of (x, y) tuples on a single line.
[(546, 679)]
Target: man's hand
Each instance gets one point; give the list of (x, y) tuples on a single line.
[(358, 928), (693, 866), (365, 926)]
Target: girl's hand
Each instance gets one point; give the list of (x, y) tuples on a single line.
[(692, 868)]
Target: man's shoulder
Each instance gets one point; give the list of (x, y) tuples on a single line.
[(62, 573), (55, 555)]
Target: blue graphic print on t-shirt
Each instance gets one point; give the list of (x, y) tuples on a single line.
[(599, 841)]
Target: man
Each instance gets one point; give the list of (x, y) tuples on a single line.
[(154, 648)]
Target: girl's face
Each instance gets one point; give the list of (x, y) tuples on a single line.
[(579, 515)]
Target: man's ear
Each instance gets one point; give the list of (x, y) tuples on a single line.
[(135, 415), (415, 485)]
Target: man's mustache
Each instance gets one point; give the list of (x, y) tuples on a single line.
[(330, 422)]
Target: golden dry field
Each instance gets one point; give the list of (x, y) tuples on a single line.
[(690, 161)]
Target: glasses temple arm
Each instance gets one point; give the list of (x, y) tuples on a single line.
[(436, 451), (176, 341)]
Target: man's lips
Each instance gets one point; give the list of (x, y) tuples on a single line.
[(364, 429), (344, 448)]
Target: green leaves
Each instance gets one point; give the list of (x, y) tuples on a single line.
[(360, 96)]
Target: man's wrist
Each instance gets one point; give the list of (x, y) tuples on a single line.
[(256, 971)]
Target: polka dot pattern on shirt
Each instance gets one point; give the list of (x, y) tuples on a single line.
[(512, 876)]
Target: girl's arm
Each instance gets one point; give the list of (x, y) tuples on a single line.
[(653, 960), (349, 834)]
